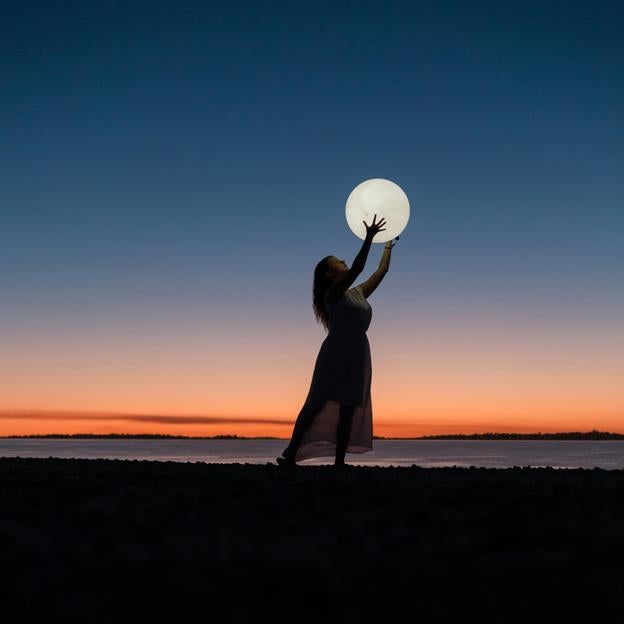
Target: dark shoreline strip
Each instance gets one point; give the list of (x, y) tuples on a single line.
[(99, 538)]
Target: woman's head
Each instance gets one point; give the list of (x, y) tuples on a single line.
[(336, 268), (326, 272)]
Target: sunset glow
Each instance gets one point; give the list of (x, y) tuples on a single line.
[(434, 380), (169, 186)]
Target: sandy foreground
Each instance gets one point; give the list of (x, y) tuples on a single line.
[(98, 539)]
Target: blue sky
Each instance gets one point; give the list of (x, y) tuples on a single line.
[(169, 162)]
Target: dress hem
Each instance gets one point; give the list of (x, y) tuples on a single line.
[(326, 449)]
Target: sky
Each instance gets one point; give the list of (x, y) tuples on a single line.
[(171, 173)]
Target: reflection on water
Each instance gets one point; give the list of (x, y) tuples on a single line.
[(426, 453)]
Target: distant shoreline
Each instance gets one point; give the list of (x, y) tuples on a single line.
[(571, 435)]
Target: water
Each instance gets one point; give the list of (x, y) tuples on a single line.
[(426, 453)]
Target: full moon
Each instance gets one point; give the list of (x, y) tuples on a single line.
[(382, 198)]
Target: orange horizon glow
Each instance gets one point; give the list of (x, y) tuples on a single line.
[(42, 422), (224, 377)]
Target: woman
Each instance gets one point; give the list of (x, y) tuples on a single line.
[(337, 414)]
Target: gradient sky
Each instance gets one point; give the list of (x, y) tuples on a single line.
[(171, 172)]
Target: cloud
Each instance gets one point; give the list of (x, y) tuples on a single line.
[(146, 418)]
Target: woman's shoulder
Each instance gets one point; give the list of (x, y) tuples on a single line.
[(350, 291)]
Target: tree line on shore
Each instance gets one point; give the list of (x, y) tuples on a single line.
[(594, 434)]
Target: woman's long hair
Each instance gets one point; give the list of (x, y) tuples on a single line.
[(321, 284)]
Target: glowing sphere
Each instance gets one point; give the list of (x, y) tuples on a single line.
[(382, 198)]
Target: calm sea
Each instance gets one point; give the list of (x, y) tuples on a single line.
[(426, 453)]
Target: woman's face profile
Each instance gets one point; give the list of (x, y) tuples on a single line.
[(336, 268)]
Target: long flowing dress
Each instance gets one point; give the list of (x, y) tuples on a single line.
[(342, 374)]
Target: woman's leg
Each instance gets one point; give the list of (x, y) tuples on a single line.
[(309, 410), (343, 432)]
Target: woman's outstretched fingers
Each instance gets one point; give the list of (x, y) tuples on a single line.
[(375, 227)]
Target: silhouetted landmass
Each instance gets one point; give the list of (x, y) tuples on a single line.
[(568, 435), (571, 435), (134, 436)]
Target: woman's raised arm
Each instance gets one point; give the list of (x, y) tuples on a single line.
[(369, 286), (335, 291)]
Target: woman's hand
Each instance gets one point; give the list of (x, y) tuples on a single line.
[(374, 228), (391, 243)]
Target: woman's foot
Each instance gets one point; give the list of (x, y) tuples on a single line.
[(285, 462), (288, 458)]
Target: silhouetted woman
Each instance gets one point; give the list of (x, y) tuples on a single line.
[(337, 415)]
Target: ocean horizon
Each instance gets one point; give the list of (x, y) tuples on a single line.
[(586, 454)]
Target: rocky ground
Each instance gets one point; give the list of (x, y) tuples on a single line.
[(101, 539)]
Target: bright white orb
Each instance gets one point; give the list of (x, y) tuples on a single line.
[(382, 198)]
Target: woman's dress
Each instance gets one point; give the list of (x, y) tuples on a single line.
[(342, 374)]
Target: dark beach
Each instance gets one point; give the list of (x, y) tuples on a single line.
[(96, 539)]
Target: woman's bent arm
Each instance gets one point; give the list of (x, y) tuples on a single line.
[(384, 262), (369, 286)]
